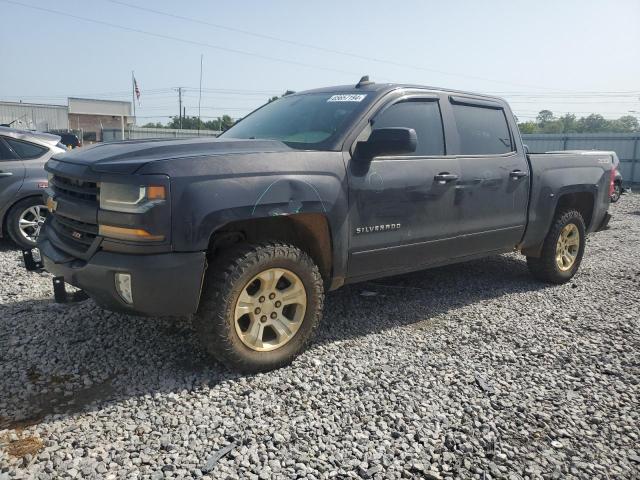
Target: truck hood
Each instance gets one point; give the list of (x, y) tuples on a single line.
[(127, 157)]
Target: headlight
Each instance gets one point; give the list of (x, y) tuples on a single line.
[(120, 197)]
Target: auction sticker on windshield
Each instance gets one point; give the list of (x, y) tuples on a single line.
[(347, 98)]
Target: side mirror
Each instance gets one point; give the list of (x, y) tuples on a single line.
[(388, 141)]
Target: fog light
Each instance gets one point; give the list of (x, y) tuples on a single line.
[(123, 286)]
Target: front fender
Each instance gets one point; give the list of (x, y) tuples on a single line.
[(268, 186)]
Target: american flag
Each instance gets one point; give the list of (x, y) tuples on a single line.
[(137, 90)]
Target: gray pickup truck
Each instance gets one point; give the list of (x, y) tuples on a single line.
[(313, 191)]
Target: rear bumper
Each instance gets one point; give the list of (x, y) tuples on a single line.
[(162, 284)]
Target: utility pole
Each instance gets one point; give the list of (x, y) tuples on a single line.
[(200, 94), (180, 106)]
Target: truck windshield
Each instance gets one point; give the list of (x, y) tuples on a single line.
[(307, 121)]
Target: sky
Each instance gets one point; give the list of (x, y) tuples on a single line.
[(575, 56)]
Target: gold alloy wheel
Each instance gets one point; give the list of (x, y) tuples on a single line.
[(567, 247), (270, 309)]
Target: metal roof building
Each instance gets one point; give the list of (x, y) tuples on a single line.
[(34, 116)]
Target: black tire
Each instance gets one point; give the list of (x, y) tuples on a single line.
[(13, 220), (225, 280), (545, 267), (617, 192)]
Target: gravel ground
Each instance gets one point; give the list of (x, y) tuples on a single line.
[(468, 371)]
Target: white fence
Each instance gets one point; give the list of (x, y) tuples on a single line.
[(134, 133)]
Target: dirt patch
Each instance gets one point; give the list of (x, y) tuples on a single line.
[(23, 446)]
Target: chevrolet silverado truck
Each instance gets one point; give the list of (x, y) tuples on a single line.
[(308, 193)]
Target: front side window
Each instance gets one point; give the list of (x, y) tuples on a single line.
[(482, 130), (307, 121), (423, 116), (25, 149)]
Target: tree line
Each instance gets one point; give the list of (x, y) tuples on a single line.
[(194, 123), (547, 122)]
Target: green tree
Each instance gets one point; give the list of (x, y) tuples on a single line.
[(553, 126), (220, 124), (569, 123), (194, 123), (276, 97), (154, 125), (528, 127), (544, 116), (626, 124), (593, 123)]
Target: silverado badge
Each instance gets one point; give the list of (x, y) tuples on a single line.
[(378, 228)]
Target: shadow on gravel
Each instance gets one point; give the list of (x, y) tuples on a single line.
[(7, 245), (415, 298), (64, 359)]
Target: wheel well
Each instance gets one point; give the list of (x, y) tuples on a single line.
[(308, 231), (581, 201)]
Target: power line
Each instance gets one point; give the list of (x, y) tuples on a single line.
[(316, 47), (177, 39)]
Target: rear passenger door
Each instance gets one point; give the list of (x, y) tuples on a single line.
[(400, 211), (493, 190)]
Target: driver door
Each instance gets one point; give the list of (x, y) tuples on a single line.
[(403, 207)]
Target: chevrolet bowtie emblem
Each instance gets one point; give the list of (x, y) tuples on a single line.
[(51, 204)]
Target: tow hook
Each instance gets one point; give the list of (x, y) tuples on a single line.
[(30, 263), (60, 294)]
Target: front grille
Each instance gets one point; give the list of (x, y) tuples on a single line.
[(74, 188), (78, 232), (73, 235)]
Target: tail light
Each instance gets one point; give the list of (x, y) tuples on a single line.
[(612, 180)]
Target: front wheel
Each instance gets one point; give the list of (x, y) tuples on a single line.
[(25, 220), (562, 250), (260, 306)]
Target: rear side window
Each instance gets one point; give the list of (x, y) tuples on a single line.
[(424, 117), (26, 149), (5, 153), (482, 130)]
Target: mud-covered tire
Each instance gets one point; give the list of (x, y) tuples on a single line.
[(13, 220), (227, 277), (545, 267)]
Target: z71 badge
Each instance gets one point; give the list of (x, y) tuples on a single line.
[(378, 228)]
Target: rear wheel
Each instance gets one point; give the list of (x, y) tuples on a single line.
[(562, 250), (25, 220), (260, 306)]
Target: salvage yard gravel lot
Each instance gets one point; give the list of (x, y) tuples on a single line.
[(467, 371)]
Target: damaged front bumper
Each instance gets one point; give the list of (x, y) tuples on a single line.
[(163, 284)]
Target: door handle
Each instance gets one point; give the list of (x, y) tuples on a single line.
[(518, 174), (445, 177), (5, 174)]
